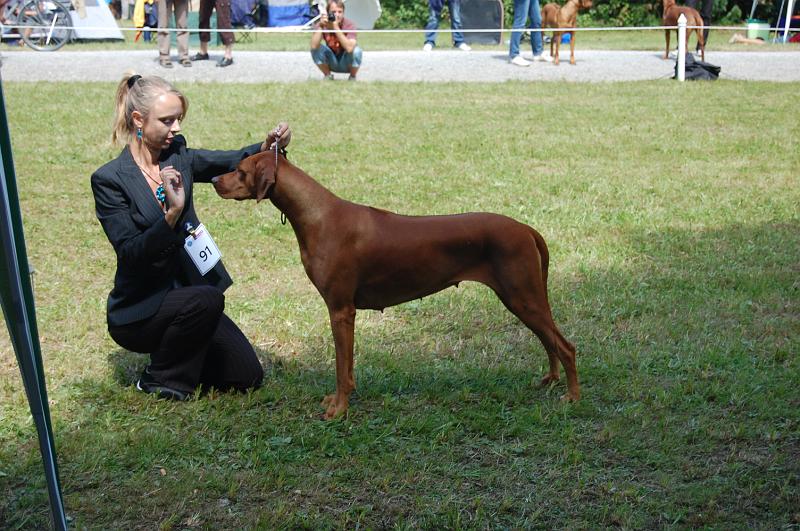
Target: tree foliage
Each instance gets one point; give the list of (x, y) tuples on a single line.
[(404, 14)]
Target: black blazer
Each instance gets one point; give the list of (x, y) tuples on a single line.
[(150, 255)]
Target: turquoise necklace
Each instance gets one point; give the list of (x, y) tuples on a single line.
[(160, 195)]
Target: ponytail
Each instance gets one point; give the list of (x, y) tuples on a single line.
[(137, 93)]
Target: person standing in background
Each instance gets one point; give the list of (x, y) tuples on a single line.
[(434, 16), (524, 10), (181, 10), (223, 8)]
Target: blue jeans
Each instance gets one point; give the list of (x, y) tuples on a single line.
[(435, 13), (523, 10), (342, 64)]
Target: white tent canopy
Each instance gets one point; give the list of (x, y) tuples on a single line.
[(97, 24), (363, 13)]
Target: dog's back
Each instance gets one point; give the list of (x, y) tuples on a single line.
[(550, 15), (672, 14)]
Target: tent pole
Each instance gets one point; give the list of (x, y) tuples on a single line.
[(788, 22), (16, 299)]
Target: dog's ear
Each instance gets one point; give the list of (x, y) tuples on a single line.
[(264, 176)]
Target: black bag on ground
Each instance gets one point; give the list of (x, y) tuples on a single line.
[(698, 69)]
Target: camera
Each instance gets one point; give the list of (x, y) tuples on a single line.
[(331, 17)]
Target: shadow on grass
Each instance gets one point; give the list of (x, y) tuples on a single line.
[(678, 294), (126, 366)]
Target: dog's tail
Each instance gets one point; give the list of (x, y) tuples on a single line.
[(544, 256)]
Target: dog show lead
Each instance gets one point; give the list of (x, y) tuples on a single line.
[(167, 298)]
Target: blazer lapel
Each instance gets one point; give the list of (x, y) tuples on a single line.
[(136, 183)]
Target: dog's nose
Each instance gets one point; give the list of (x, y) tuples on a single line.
[(214, 179)]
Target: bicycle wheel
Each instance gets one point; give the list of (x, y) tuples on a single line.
[(46, 25)]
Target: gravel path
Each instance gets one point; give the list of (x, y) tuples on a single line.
[(408, 66)]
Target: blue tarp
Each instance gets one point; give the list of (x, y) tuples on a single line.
[(242, 13), (288, 12)]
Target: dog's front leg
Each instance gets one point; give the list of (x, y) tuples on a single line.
[(572, 48), (557, 38), (666, 36), (343, 321)]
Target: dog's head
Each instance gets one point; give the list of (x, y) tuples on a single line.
[(253, 178)]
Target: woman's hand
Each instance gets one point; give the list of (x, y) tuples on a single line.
[(176, 196), (282, 134)]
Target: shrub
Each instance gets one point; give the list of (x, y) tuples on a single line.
[(400, 14)]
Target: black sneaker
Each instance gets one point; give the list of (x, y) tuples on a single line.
[(148, 384), (225, 61), (200, 57)]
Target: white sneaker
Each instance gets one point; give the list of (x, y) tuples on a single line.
[(428, 47), (464, 47), (520, 61), (542, 58)]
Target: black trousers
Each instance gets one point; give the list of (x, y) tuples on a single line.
[(705, 12), (192, 342)]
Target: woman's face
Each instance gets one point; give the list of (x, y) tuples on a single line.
[(161, 125)]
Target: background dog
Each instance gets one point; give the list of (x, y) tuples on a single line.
[(670, 18), (555, 16)]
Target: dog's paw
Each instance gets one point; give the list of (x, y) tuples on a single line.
[(549, 379), (569, 397), (336, 406), (334, 411), (328, 400)]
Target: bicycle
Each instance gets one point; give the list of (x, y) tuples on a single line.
[(44, 25)]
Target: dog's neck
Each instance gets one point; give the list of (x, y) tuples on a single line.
[(301, 199), (668, 5)]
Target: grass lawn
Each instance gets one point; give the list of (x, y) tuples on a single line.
[(675, 259)]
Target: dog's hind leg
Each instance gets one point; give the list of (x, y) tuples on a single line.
[(523, 291), (701, 44), (540, 321)]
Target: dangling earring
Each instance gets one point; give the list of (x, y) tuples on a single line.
[(139, 133)]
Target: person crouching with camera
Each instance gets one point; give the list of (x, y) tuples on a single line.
[(333, 43)]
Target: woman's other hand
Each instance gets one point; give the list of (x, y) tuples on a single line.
[(176, 195), (282, 134)]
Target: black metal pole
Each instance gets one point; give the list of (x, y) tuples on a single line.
[(16, 296)]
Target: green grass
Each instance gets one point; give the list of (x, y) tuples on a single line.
[(671, 215)]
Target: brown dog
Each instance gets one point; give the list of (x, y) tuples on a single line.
[(359, 257), (693, 18), (555, 16)]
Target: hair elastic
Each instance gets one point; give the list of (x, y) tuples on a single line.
[(132, 80)]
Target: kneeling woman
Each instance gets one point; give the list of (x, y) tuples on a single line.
[(167, 300), (335, 50)]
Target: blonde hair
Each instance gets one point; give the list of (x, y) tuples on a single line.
[(137, 93)]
